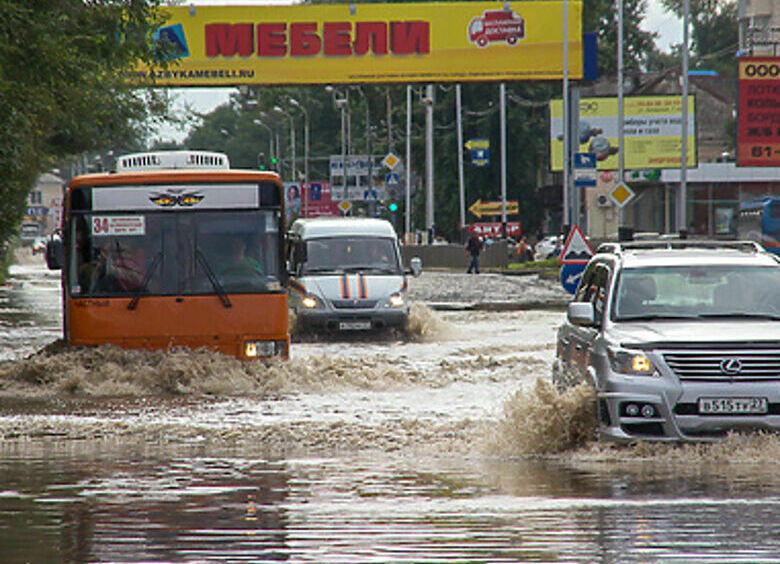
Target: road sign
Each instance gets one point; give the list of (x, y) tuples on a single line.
[(621, 194), (570, 276), (480, 151), (576, 249), (345, 206), (585, 169), (391, 161), (480, 208), (392, 180)]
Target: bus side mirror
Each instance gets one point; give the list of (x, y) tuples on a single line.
[(55, 253), (415, 266)]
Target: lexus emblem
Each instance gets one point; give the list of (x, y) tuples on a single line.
[(731, 366)]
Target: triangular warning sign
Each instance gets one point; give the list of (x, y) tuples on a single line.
[(576, 249)]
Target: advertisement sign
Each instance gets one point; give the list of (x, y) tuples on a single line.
[(493, 229), (758, 111), (366, 43), (652, 127)]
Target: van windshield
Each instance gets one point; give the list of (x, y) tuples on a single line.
[(340, 254)]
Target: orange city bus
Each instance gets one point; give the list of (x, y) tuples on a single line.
[(175, 250)]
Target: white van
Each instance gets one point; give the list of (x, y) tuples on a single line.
[(347, 274)]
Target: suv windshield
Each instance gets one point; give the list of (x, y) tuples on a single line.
[(697, 291), (351, 253), (165, 253)]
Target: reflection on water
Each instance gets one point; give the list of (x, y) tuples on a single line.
[(30, 310), (134, 502), (406, 449)]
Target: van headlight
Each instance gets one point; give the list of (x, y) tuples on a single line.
[(397, 300), (310, 302), (633, 363)]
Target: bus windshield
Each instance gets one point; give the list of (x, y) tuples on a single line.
[(163, 253)]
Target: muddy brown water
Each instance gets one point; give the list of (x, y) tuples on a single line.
[(444, 445)]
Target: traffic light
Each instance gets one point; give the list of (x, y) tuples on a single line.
[(261, 161), (274, 162), (392, 206)]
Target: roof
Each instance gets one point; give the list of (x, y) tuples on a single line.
[(341, 226), (686, 252)]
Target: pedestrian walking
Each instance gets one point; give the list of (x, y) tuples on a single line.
[(473, 248)]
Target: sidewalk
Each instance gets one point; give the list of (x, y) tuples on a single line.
[(456, 290)]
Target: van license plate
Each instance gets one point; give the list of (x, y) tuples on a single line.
[(732, 406), (354, 325)]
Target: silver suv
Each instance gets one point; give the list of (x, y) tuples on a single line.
[(680, 338)]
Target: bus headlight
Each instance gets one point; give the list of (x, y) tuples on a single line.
[(634, 363), (257, 349), (397, 300), (309, 302)]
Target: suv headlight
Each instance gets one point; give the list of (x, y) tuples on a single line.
[(310, 302), (634, 363)]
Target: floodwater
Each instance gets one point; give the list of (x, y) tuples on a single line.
[(445, 445)]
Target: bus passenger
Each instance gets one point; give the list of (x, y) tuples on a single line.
[(122, 266), (239, 262)]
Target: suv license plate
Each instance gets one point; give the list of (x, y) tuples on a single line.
[(354, 325), (732, 406)]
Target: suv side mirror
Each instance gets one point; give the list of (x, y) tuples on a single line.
[(415, 266), (581, 313), (55, 254)]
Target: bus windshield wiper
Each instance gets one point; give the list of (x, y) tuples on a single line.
[(142, 288), (213, 279)]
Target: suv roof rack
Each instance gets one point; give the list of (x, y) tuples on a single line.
[(619, 247)]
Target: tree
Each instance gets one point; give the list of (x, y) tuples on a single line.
[(714, 34), (61, 87)]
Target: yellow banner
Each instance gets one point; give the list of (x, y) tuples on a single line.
[(341, 43), (652, 132)]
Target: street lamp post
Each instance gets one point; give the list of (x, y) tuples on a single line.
[(340, 101), (368, 145), (306, 155), (292, 139), (270, 137)]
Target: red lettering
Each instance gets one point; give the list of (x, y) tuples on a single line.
[(304, 41), (228, 39), (338, 39), (271, 39), (371, 35), (408, 38)]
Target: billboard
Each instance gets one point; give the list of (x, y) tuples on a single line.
[(651, 132), (758, 111), (367, 43)]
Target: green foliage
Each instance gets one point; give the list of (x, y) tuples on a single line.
[(714, 34), (61, 90)]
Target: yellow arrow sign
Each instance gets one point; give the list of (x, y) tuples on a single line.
[(477, 144), (480, 208)]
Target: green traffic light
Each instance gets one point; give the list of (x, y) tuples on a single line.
[(393, 207)]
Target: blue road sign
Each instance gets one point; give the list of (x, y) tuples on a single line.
[(584, 169), (570, 276), (392, 180)]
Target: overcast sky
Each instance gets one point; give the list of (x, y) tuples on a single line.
[(203, 100)]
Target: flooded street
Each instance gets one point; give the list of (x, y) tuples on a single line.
[(443, 445)]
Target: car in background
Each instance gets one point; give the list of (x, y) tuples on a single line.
[(39, 245), (548, 247), (679, 339)]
